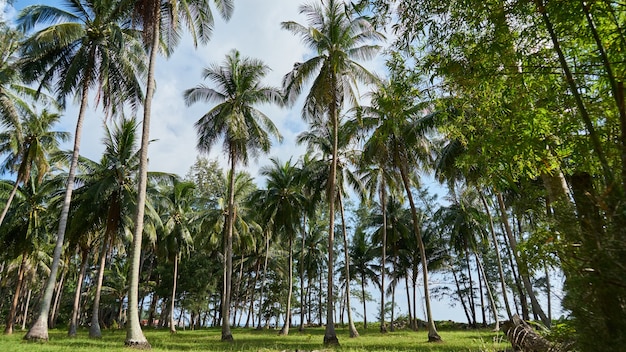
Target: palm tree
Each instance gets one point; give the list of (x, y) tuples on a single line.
[(284, 203), (160, 19), (338, 37), (176, 209), (402, 130), (98, 49), (29, 145), (362, 255), (244, 129)]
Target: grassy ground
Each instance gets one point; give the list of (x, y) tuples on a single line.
[(264, 341)]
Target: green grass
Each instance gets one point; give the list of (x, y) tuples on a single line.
[(264, 341)]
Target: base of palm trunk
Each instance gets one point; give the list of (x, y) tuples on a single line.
[(227, 337), (138, 344), (383, 329), (331, 340), (38, 332), (434, 338)]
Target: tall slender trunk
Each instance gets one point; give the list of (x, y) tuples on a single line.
[(461, 298), (8, 330), (523, 268), (259, 326), (94, 329), (494, 239), (227, 336), (39, 330), (393, 291), (433, 336), (252, 289), (26, 305), (470, 295), (9, 200), (330, 335), (383, 205), (134, 335), (353, 331), (364, 302), (173, 299), (408, 301), (285, 328), (57, 299), (79, 286), (492, 302), (303, 244)]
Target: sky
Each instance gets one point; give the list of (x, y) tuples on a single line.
[(255, 31)]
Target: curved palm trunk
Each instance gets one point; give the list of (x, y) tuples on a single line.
[(470, 296), (330, 335), (94, 329), (39, 330), (173, 300), (9, 200), (228, 255), (134, 335), (383, 200), (285, 328), (8, 330), (25, 316), (492, 301), (459, 293), (79, 286), (353, 331), (433, 336)]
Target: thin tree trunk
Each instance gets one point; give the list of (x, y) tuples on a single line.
[(353, 332), (267, 254), (25, 318), (134, 335), (94, 329), (458, 290), (408, 301), (285, 329), (330, 335), (494, 239), (39, 330), (383, 200), (303, 244), (433, 336), (364, 302), (173, 299), (523, 268), (9, 200), (79, 286), (227, 336), (250, 316), (393, 292), (492, 301), (8, 330), (57, 300), (470, 295)]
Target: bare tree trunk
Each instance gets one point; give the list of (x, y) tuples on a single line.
[(79, 285), (285, 329), (30, 291), (383, 200), (8, 330), (353, 332), (94, 329), (57, 299), (267, 253), (173, 299)]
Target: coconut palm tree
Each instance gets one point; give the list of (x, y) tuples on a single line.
[(283, 205), (161, 21), (244, 130), (362, 256), (29, 145), (97, 49), (338, 36), (175, 207)]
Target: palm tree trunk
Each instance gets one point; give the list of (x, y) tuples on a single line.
[(470, 295), (303, 244), (353, 331), (259, 326), (364, 302), (523, 269), (25, 317), (228, 255), (134, 335), (252, 288), (460, 294), (57, 299), (9, 200), (94, 329), (494, 239), (433, 336), (492, 302), (79, 286), (393, 292), (285, 329), (39, 330), (330, 335), (173, 299), (383, 200), (8, 330), (408, 300)]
